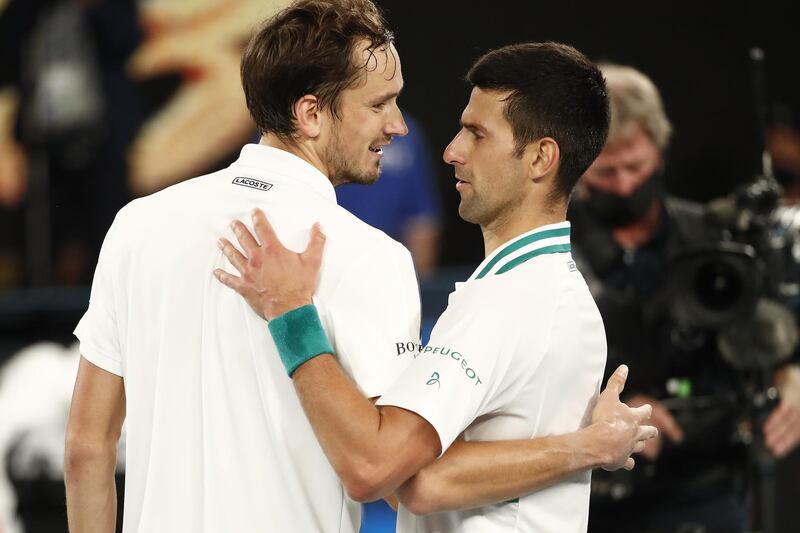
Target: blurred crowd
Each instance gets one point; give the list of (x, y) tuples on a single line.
[(102, 101)]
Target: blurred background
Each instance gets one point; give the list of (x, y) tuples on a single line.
[(102, 101)]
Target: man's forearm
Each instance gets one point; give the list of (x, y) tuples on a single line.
[(91, 491), (474, 474), (373, 450)]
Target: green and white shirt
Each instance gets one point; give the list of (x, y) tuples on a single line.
[(518, 353)]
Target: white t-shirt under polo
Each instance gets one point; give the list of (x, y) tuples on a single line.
[(518, 353), (216, 438)]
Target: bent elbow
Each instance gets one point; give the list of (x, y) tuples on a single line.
[(81, 454), (368, 481), (360, 492), (364, 487), (420, 495), (417, 505)]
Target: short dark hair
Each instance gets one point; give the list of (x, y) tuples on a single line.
[(307, 48), (555, 92)]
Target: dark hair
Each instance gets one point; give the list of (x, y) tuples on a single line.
[(307, 48), (555, 92)]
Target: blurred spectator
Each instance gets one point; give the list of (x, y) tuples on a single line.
[(68, 116), (404, 201), (626, 231), (78, 78)]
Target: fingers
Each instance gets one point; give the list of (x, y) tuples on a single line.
[(264, 229), (663, 419), (639, 446), (229, 280), (629, 464), (245, 238), (646, 433), (782, 430), (616, 383), (775, 419), (316, 245), (642, 413), (234, 256)]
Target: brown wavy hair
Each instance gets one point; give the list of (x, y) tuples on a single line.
[(307, 48)]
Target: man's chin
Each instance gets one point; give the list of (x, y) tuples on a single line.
[(466, 214), (365, 179)]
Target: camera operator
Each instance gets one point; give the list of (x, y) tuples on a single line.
[(626, 230)]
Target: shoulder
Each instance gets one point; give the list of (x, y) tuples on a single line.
[(532, 287), (362, 240)]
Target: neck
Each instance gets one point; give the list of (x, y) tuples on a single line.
[(514, 224), (301, 149), (640, 231)]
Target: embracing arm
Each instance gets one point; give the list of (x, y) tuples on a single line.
[(373, 449), (90, 457), (473, 474), (376, 449)]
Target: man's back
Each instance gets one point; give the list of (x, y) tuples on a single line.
[(216, 437)]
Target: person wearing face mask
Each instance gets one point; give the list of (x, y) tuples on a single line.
[(626, 231)]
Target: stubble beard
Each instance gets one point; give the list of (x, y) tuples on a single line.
[(470, 210), (344, 170)]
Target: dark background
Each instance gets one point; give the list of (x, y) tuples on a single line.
[(695, 52)]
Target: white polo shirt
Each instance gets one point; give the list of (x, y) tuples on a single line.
[(216, 438), (518, 353)]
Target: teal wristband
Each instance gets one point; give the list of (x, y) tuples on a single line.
[(299, 336)]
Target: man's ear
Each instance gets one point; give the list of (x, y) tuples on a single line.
[(544, 155), (308, 116)]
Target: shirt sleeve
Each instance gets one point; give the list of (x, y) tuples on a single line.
[(97, 331), (374, 318), (463, 371)]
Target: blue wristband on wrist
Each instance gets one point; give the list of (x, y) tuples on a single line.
[(299, 336)]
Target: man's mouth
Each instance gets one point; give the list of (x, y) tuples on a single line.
[(378, 148)]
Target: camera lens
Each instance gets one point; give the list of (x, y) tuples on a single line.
[(718, 285)]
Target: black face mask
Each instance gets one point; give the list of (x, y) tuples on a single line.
[(615, 210)]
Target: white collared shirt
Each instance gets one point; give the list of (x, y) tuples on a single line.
[(518, 353), (216, 437)]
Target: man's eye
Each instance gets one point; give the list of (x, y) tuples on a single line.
[(380, 105)]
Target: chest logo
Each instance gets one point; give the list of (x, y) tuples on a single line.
[(434, 380), (252, 183)]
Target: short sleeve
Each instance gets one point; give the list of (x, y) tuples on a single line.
[(462, 372), (374, 317), (97, 331)]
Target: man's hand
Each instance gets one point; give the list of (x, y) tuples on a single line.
[(663, 420), (782, 428), (624, 433), (274, 279)]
